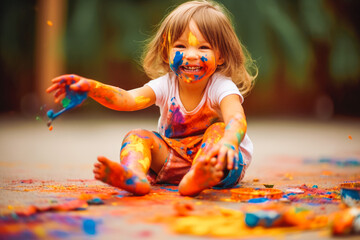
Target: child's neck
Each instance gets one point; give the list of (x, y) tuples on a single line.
[(191, 94)]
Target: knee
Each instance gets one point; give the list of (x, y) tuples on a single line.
[(142, 133)]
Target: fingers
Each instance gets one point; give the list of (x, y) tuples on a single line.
[(52, 88), (62, 81), (60, 97), (230, 159), (59, 92), (81, 85), (67, 79), (212, 152)]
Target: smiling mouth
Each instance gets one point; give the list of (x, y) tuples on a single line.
[(191, 69)]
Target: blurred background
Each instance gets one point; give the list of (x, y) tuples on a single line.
[(307, 51)]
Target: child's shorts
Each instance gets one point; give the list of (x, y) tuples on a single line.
[(179, 161)]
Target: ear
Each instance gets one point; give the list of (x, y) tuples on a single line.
[(220, 61)]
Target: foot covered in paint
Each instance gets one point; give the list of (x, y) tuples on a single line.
[(120, 176), (202, 175)]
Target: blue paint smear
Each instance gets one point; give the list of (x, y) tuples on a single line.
[(95, 201), (169, 189), (124, 145), (76, 98), (203, 58), (177, 61), (131, 181), (89, 226)]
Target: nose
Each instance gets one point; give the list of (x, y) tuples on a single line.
[(191, 54)]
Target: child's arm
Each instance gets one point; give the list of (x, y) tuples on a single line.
[(111, 97), (236, 126)]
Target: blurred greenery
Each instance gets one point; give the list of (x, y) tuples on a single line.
[(302, 47)]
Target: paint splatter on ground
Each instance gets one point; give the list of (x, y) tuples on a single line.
[(36, 207), (80, 208)]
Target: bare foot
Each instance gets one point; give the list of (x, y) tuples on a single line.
[(201, 176), (117, 175)]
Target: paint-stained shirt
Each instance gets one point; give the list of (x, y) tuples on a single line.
[(176, 122)]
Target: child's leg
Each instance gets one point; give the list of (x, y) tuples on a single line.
[(141, 150), (204, 174)]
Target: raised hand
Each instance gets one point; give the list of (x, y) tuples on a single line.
[(72, 81), (71, 90)]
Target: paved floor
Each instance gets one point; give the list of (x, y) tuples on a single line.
[(287, 152)]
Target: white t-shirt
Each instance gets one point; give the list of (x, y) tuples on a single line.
[(176, 122)]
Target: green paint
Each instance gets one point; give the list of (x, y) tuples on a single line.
[(109, 100), (229, 146), (65, 102)]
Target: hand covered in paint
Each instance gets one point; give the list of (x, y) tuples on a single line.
[(227, 154), (74, 82)]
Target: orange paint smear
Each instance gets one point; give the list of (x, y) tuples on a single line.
[(249, 193)]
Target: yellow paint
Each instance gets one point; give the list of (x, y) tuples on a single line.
[(141, 100), (49, 23), (134, 145), (192, 40), (145, 163), (40, 231), (169, 38)]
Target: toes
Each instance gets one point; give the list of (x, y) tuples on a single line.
[(219, 174), (213, 161), (97, 165), (103, 160)]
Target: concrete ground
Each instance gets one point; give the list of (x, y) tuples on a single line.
[(287, 153)]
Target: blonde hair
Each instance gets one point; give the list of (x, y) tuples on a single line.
[(213, 21)]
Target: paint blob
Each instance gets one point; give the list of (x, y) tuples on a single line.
[(192, 40)]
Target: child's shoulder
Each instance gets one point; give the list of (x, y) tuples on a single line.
[(219, 79)]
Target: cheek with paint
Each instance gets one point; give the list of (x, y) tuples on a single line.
[(176, 62), (208, 68)]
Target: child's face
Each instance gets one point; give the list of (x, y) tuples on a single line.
[(192, 58)]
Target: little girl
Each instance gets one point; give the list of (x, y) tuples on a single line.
[(197, 62)]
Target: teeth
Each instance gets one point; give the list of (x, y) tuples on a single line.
[(191, 68)]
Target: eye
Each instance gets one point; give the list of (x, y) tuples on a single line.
[(205, 47), (179, 46)]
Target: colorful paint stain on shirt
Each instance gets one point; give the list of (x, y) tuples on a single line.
[(180, 124)]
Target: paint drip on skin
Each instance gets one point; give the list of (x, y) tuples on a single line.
[(72, 100)]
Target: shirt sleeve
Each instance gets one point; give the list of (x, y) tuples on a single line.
[(222, 87), (159, 87)]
